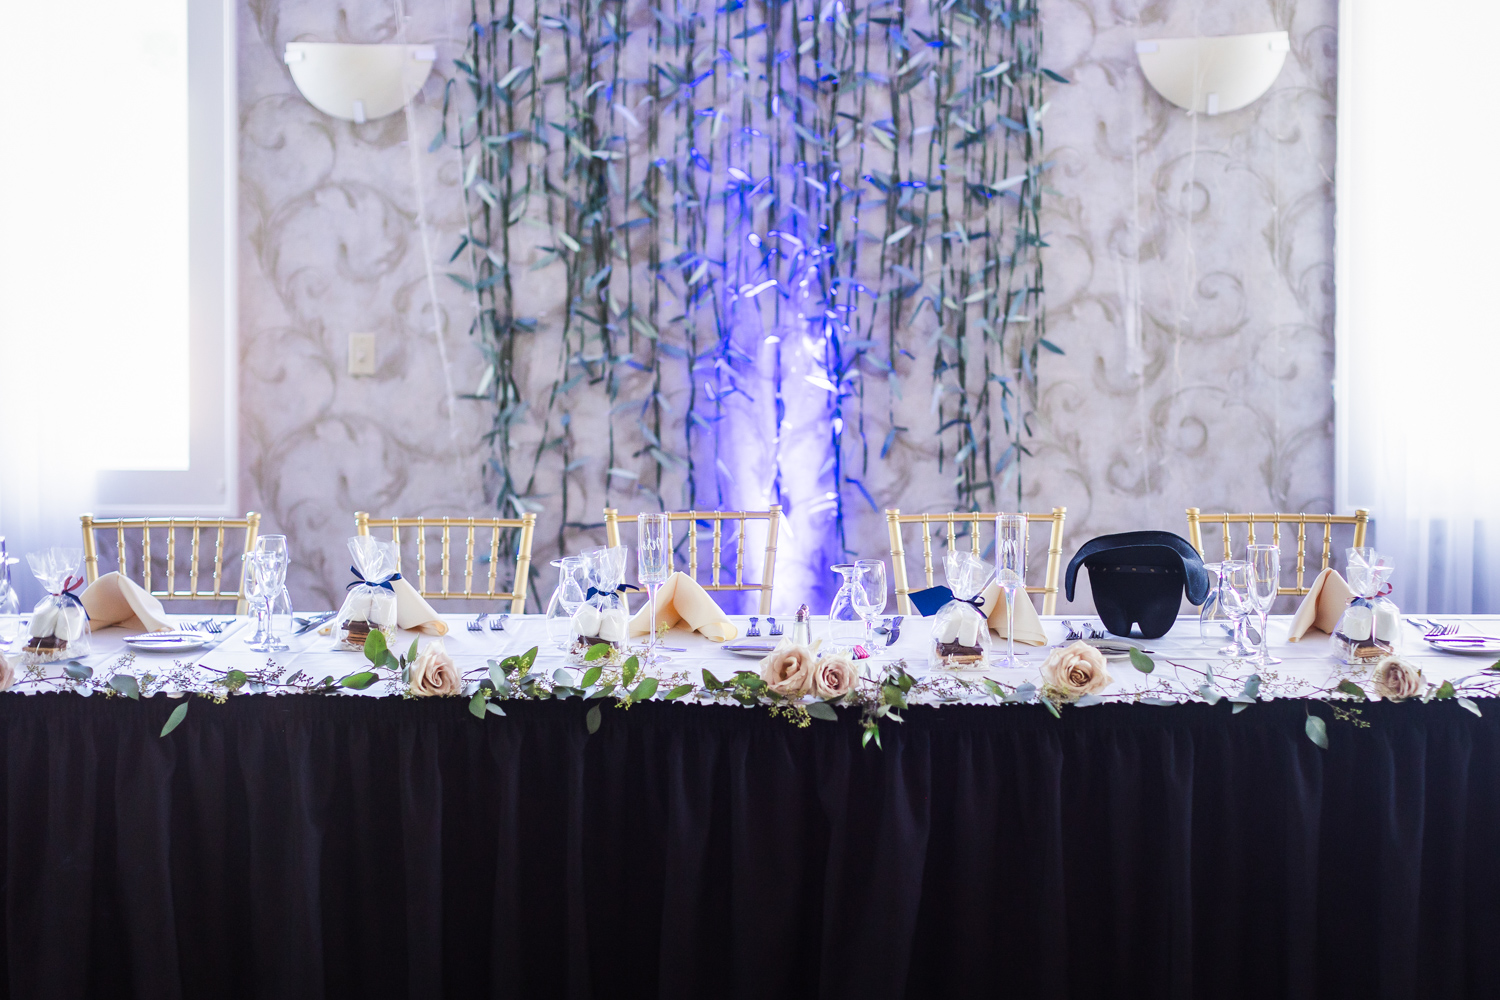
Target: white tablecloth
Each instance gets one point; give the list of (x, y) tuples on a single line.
[(1183, 660)]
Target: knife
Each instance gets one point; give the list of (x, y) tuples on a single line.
[(315, 621)]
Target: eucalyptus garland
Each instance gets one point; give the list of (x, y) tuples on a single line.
[(807, 193)]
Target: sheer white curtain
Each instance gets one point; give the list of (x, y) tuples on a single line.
[(1418, 281)]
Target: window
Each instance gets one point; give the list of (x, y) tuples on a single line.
[(116, 228), (1416, 266)]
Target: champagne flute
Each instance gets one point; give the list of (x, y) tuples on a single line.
[(268, 565), (1265, 581), (869, 591), (653, 567), (1010, 572)]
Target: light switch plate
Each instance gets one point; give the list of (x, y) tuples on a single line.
[(361, 354)]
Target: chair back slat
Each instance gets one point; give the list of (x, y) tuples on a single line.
[(524, 529), (126, 530), (613, 518), (1358, 521), (973, 521)]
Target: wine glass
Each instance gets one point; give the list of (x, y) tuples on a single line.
[(653, 567), (1234, 575), (1214, 619), (571, 592), (1010, 572), (268, 565), (869, 591), (1264, 583), (846, 625), (10, 604)]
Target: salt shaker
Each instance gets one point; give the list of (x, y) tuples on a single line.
[(802, 628)]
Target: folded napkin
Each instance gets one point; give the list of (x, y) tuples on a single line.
[(118, 600), (1322, 606), (413, 613), (1029, 630), (682, 599)]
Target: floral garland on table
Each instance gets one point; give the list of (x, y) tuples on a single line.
[(798, 683)]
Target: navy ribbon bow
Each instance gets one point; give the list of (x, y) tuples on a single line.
[(927, 602), (621, 589), (360, 580), (70, 584)]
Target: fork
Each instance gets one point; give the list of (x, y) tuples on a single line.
[(498, 625), (477, 625), (753, 632), (1438, 629), (1073, 634)]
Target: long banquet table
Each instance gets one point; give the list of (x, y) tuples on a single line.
[(350, 845)]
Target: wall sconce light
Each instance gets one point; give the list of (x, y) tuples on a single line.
[(1213, 75), (358, 83)]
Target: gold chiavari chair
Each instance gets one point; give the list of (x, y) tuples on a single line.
[(1360, 520), (127, 529), (973, 519), (718, 517), (420, 526)]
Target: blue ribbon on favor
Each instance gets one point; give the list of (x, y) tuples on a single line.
[(70, 584), (621, 589), (386, 583), (927, 602)]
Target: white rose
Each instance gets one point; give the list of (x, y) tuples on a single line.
[(434, 672), (1076, 670), (1395, 679), (788, 670)]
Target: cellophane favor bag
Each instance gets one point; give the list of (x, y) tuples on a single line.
[(604, 616), (58, 627), (960, 631), (371, 604)]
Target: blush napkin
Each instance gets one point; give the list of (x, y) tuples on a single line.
[(1321, 608), (118, 600), (683, 600), (1029, 631)]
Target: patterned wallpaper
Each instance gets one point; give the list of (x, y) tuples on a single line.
[(1189, 278)]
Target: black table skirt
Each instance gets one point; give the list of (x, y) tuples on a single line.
[(351, 847)]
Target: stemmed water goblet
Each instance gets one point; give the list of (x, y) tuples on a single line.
[(1010, 572), (869, 592), (653, 567), (570, 595), (1234, 597), (267, 579), (1264, 583)]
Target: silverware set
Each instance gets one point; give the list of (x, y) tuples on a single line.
[(206, 625), (311, 622), (1448, 632), (497, 625), (890, 628), (1087, 631)]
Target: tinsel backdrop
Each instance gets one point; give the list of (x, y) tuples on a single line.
[(760, 212)]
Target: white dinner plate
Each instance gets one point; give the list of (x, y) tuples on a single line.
[(1460, 644), (167, 642), (748, 648)]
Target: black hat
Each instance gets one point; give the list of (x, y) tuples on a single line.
[(1139, 577)]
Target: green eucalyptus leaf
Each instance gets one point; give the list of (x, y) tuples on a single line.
[(677, 692), (1467, 703), (411, 652), (591, 676), (359, 681), (1352, 689), (1252, 686), (865, 740), (1209, 694), (78, 671), (236, 679), (562, 677), (629, 670), (375, 647), (1445, 690), (1317, 731), (1087, 700), (1051, 707), (527, 659), (592, 719), (1141, 661), (1240, 706), (497, 676), (894, 696), (644, 690), (493, 708), (175, 719), (476, 705), (597, 651), (822, 710), (711, 682), (391, 663), (126, 685)]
